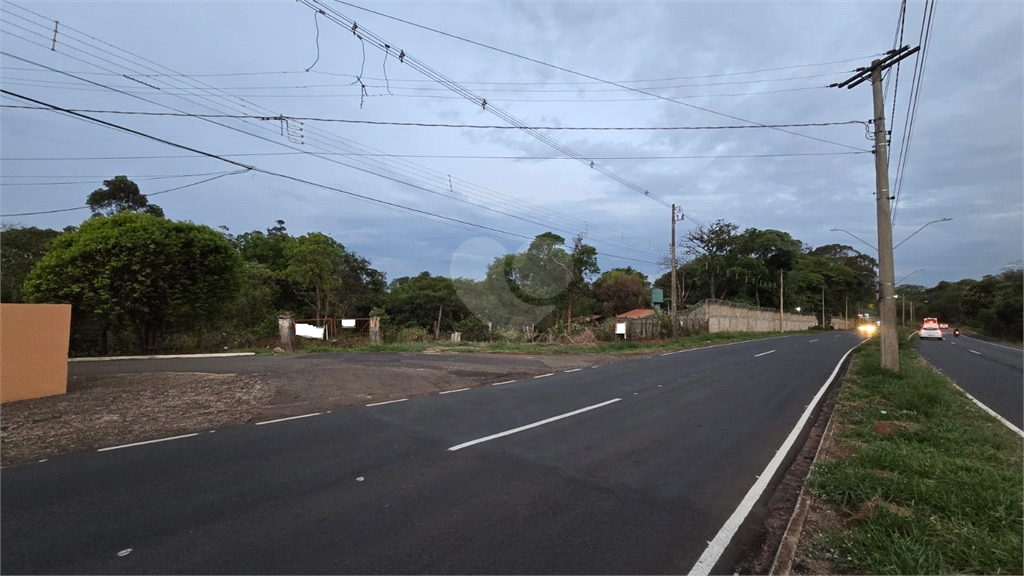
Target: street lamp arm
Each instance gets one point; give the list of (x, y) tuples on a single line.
[(919, 229), (855, 236)]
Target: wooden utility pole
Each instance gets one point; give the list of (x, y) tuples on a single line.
[(886, 291), (846, 314), (673, 307)]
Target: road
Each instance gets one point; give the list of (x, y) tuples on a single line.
[(992, 373), (633, 467)]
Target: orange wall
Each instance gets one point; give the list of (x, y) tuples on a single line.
[(33, 350)]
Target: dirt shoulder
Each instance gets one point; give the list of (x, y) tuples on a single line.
[(119, 402)]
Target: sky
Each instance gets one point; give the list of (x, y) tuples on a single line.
[(475, 193)]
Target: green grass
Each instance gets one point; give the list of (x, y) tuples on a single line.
[(617, 347), (957, 478)]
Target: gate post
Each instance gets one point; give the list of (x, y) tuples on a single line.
[(286, 331), (375, 330)]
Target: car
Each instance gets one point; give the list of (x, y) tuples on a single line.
[(930, 331), (943, 325)]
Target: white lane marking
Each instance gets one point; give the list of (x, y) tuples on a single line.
[(912, 334), (953, 343), (545, 375), (974, 352), (714, 550), (452, 391), (43, 460), (573, 370), (528, 426), (815, 340), (990, 411), (146, 442), (388, 402), (505, 382), (671, 353), (763, 353), (124, 552), (992, 343), (288, 418)]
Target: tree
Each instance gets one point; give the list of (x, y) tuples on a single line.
[(329, 278), (621, 290), (120, 194), (138, 271), (713, 251), (416, 302), (20, 249)]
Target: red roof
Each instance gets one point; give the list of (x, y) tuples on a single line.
[(637, 313)]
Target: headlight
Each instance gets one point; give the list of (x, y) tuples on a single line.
[(867, 328)]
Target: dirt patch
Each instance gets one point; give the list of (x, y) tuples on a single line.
[(867, 508), (839, 450), (887, 427), (109, 410)]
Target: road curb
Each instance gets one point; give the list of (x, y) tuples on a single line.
[(783, 564), (215, 355)]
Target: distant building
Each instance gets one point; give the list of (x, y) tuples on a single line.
[(637, 313)]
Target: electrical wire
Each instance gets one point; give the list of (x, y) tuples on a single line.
[(165, 106), (441, 125), (147, 195), (444, 156), (346, 20), (912, 104), (537, 83), (247, 168)]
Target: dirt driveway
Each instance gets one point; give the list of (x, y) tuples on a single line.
[(122, 401)]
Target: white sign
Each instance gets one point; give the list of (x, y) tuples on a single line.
[(620, 328), (309, 331), (348, 322)]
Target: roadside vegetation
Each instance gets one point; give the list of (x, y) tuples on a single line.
[(916, 479)]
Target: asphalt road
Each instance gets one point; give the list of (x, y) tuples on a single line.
[(992, 373), (631, 467)]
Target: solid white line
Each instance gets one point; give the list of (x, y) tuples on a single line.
[(288, 418), (990, 411), (214, 355), (545, 375), (451, 391), (715, 548), (974, 351), (388, 402), (992, 343), (528, 426), (953, 343), (763, 353), (815, 340), (505, 382), (147, 442), (573, 370)]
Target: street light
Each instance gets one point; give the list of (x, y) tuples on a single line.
[(909, 275), (854, 235), (919, 229)]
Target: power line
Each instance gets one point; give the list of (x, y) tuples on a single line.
[(136, 74), (585, 100), (524, 90), (420, 80), (441, 156), (247, 168), (327, 135), (442, 125), (147, 195), (163, 177), (556, 67), (908, 131)]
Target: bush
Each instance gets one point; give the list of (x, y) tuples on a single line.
[(412, 334)]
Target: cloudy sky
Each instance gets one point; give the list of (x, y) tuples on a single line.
[(482, 191)]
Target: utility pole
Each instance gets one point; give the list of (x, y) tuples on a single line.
[(822, 307), (904, 301), (675, 291), (846, 314), (886, 292)]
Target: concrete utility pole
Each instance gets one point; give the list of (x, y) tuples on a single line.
[(822, 307), (675, 291), (886, 291)]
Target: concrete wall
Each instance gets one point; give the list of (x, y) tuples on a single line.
[(728, 317), (33, 350)]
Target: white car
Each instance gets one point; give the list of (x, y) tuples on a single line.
[(930, 332)]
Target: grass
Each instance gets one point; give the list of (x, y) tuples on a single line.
[(945, 496), (617, 347)]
